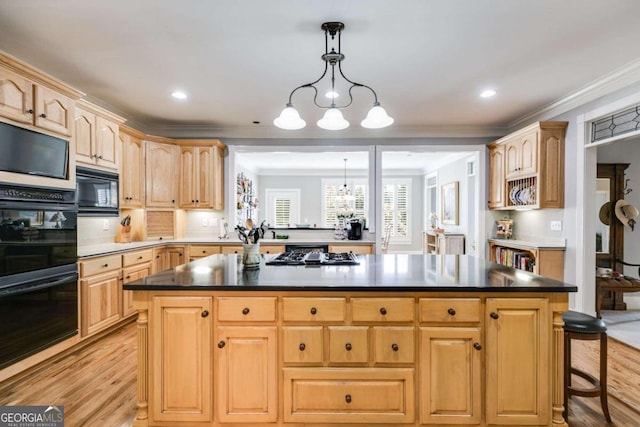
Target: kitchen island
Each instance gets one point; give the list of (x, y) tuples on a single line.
[(396, 340)]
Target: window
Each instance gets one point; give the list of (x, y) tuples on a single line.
[(283, 207), (431, 200), (359, 206), (395, 208)]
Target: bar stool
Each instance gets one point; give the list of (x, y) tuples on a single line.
[(580, 326)]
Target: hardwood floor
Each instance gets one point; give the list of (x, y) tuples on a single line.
[(97, 384)]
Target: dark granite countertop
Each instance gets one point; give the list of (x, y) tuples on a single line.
[(390, 272)]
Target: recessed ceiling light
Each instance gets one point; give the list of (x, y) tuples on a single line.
[(179, 94), (331, 94), (488, 93)]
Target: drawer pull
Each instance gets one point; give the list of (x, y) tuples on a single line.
[(347, 398), (383, 311), (493, 315), (245, 311), (204, 252), (477, 346), (313, 310), (140, 257), (43, 115), (451, 312), (302, 346), (221, 344), (348, 346), (106, 265), (30, 111), (205, 313), (394, 347)]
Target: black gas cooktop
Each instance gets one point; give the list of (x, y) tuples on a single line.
[(314, 258)]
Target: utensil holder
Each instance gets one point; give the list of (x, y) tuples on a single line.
[(123, 235), (251, 255)]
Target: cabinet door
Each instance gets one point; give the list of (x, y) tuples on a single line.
[(187, 173), (496, 177), (512, 157), (529, 153), (204, 177), (218, 179), (129, 275), (107, 143), (161, 182), (450, 381), (175, 256), (100, 296), (518, 361), (181, 359), (16, 97), (131, 172), (54, 111), (159, 262), (247, 374), (85, 135)]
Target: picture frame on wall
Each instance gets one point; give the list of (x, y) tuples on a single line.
[(449, 203)]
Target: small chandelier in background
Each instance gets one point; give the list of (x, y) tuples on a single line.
[(290, 119)]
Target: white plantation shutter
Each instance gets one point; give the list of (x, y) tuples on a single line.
[(282, 212), (360, 193), (330, 191), (329, 217), (395, 208)]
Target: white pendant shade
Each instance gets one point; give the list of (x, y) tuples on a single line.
[(289, 119), (376, 118), (333, 120)]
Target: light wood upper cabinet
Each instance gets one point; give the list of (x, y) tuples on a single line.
[(26, 102), (97, 136), (161, 174), (131, 170), (16, 97), (181, 335), (526, 168), (518, 361), (218, 178), (196, 177), (496, 176)]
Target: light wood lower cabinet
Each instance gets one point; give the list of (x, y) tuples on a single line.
[(180, 359), (338, 358), (100, 293)]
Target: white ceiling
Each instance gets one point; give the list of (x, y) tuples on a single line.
[(239, 59)]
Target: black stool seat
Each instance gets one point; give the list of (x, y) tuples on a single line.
[(582, 323), (580, 326)]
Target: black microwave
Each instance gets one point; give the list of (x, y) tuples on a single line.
[(96, 192)]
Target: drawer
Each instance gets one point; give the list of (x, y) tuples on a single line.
[(302, 344), (93, 266), (348, 344), (394, 344), (271, 249), (130, 274), (364, 396), (450, 310), (202, 251), (382, 309), (259, 309), (356, 249), (230, 249), (137, 257), (313, 309)]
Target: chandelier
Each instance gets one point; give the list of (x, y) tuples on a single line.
[(333, 120)]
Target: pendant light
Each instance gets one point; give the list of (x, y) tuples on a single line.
[(333, 119)]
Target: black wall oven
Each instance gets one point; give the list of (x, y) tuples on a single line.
[(38, 272)]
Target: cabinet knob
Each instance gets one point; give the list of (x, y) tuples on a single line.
[(383, 311), (43, 115), (451, 312), (313, 310), (245, 311), (128, 277), (221, 344), (173, 201), (30, 111), (100, 156), (477, 346), (204, 251), (140, 257), (302, 346), (493, 315), (347, 398), (106, 265), (197, 201), (193, 201), (205, 313), (394, 347), (348, 346)]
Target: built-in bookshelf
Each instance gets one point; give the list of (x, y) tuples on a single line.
[(545, 260)]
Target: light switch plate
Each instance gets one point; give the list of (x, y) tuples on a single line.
[(105, 224), (556, 225), (205, 222)]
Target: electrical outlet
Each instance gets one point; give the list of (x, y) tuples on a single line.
[(213, 222), (556, 225), (105, 224), (205, 222)]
